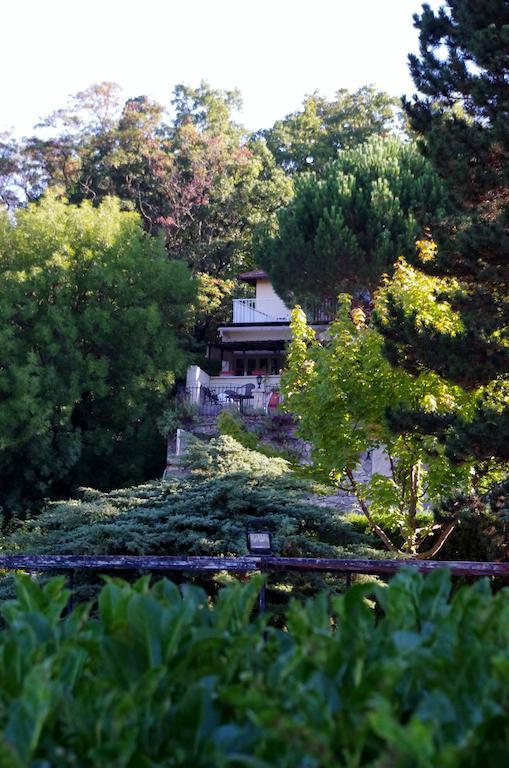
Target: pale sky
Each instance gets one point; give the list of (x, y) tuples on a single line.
[(274, 51)]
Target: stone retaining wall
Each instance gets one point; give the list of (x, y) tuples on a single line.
[(279, 433)]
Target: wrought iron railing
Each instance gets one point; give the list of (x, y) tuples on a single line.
[(211, 400), (323, 311)]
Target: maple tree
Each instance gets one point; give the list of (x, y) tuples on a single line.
[(341, 388)]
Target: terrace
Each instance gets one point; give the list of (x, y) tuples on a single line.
[(246, 394)]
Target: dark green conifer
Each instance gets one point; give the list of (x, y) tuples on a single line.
[(462, 116), (344, 228)]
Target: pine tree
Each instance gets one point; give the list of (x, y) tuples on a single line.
[(345, 228), (462, 73)]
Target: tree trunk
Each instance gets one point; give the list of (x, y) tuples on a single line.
[(376, 528), (439, 543)]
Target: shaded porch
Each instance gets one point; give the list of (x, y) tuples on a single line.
[(249, 357)]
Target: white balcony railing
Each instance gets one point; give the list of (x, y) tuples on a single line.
[(260, 311)]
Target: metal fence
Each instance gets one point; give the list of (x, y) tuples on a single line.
[(210, 401), (318, 312)]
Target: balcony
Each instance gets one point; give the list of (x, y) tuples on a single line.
[(249, 311), (253, 311)]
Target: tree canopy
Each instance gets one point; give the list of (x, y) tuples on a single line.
[(193, 174), (345, 228), (340, 388), (462, 116), (92, 312), (312, 137), (198, 177)]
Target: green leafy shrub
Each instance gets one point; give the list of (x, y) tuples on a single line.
[(417, 679), (388, 522), (225, 454), (229, 424), (179, 414)]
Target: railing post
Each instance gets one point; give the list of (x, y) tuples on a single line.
[(262, 596), (262, 599), (70, 586)]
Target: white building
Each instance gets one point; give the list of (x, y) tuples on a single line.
[(251, 350)]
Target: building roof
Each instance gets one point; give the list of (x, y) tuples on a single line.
[(253, 276)]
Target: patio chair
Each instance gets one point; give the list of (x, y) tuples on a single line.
[(248, 390), (209, 396)]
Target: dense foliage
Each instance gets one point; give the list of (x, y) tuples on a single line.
[(230, 424), (462, 116), (202, 185), (205, 513), (95, 313), (310, 138), (199, 178), (91, 314), (346, 227), (107, 293), (483, 533), (341, 388), (162, 677)]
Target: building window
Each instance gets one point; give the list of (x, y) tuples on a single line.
[(251, 366)]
